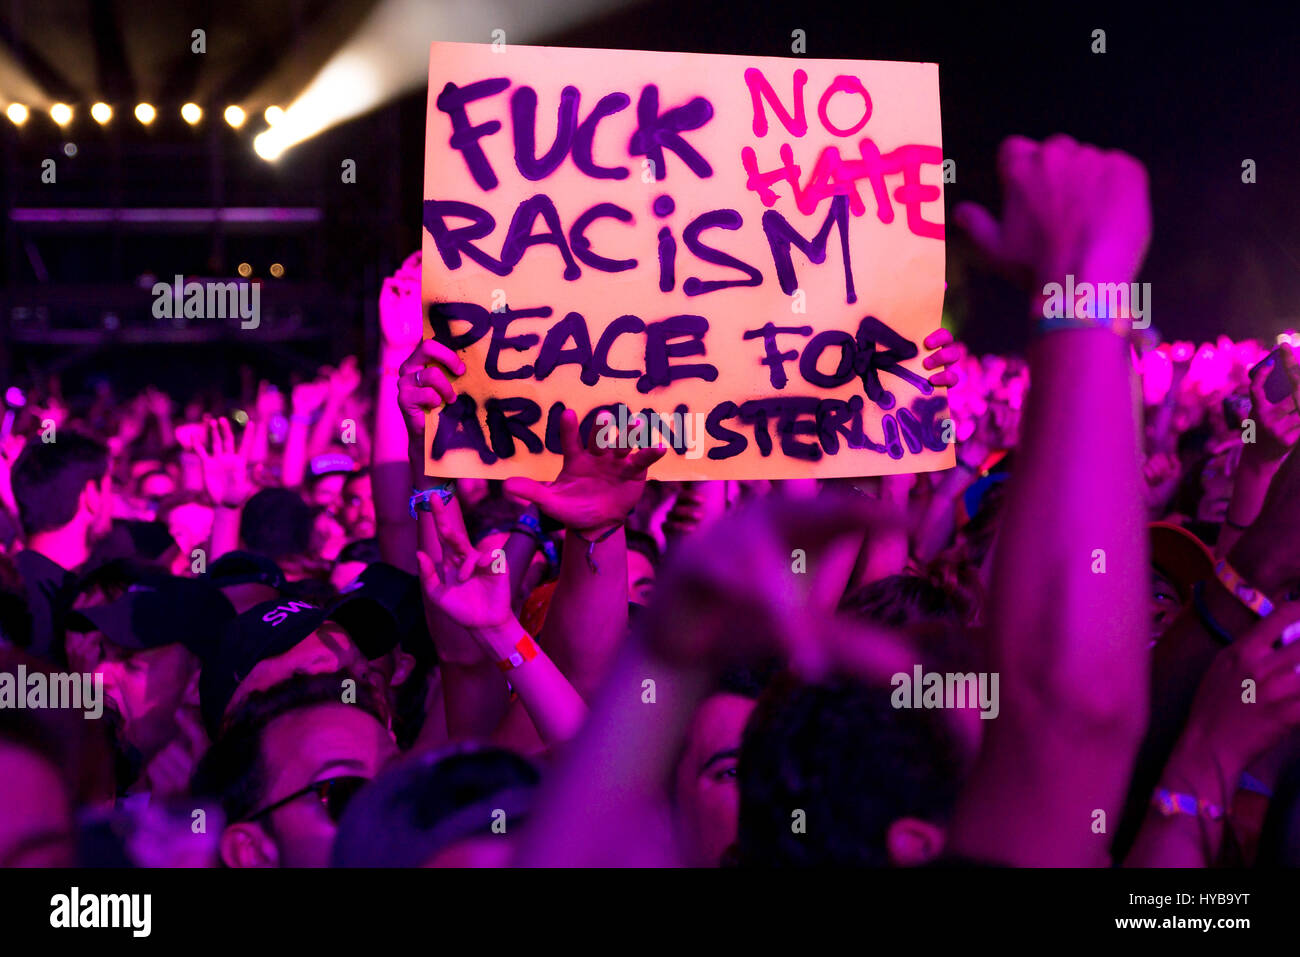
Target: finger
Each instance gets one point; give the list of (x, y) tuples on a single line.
[(450, 523), (1262, 636), (435, 351), (530, 490), (603, 423), (227, 436), (410, 396), (947, 378), (433, 377), (428, 570), (642, 459), (948, 355), (938, 339), (983, 229), (1014, 150), (570, 442)]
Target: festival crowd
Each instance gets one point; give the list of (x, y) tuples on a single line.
[(1072, 648)]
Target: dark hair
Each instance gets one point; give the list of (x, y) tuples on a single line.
[(431, 801), (15, 615), (48, 479), (276, 523), (851, 762), (492, 515), (644, 544), (362, 550), (234, 771), (902, 600)]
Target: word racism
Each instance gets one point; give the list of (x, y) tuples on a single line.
[(209, 300), (74, 909), (787, 407), (39, 690)]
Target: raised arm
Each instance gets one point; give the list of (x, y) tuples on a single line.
[(1068, 610), (598, 486)]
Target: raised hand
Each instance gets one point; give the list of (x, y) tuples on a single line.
[(1067, 209), (462, 581), (424, 383), (597, 486), (343, 381), (734, 596), (1278, 422), (307, 397), (401, 317), (225, 466), (1227, 729)]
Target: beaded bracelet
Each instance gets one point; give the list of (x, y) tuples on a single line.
[(1252, 598)]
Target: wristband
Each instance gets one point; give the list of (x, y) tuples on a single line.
[(421, 500), (1170, 803), (1227, 520), (525, 650), (592, 543), (1252, 598), (529, 525)]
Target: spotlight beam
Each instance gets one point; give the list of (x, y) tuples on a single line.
[(389, 56)]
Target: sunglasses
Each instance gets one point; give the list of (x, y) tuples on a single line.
[(334, 795)]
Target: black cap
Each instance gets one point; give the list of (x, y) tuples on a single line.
[(272, 628), (160, 610), (245, 568), (399, 593)]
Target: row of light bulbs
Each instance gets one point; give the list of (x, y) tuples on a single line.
[(102, 113)]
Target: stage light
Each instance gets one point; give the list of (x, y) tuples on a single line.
[(61, 113), (268, 145), (191, 113), (145, 113), (235, 116), (17, 114), (101, 113), (277, 270), (273, 115), (245, 270)]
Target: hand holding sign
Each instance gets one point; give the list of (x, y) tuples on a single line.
[(424, 383)]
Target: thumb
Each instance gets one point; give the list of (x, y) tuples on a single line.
[(530, 490), (983, 229)]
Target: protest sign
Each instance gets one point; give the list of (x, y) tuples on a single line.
[(748, 251)]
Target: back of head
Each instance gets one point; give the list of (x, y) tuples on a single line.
[(422, 806), (48, 479), (276, 523), (841, 755)]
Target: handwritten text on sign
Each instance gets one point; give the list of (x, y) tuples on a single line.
[(747, 251)]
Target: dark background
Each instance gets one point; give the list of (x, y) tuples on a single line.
[(1191, 91)]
